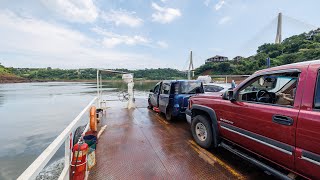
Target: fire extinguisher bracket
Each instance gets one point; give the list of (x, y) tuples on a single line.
[(78, 164)]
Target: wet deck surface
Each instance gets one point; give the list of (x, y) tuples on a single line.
[(141, 144)]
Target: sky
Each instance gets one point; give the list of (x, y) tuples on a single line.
[(139, 34)]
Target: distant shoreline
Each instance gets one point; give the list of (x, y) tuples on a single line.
[(13, 80), (10, 78)]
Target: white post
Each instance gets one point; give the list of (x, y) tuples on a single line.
[(98, 91), (128, 78), (190, 67), (130, 92), (67, 156)]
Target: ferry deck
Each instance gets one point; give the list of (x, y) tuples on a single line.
[(141, 144)]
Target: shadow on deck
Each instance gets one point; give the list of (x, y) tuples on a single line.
[(141, 144)]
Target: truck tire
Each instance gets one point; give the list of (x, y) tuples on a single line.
[(168, 115), (149, 104), (202, 131)]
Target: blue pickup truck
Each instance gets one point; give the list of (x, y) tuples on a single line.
[(171, 96)]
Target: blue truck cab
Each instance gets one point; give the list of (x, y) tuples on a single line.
[(171, 96)]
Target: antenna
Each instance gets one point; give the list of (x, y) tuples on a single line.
[(190, 67), (279, 29)]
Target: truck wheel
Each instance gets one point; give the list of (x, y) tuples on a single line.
[(202, 131), (149, 104), (168, 115)]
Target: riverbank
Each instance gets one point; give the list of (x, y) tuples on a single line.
[(9, 78)]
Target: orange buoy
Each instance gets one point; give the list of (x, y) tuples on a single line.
[(93, 119)]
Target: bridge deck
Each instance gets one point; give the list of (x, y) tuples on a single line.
[(140, 144)]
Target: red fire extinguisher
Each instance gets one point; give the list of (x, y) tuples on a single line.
[(79, 161)]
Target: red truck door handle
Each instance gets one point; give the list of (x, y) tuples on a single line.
[(283, 120)]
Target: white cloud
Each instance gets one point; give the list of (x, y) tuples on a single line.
[(36, 35), (219, 5), (31, 42), (164, 1), (122, 17), (164, 15), (111, 40), (163, 44), (225, 20), (206, 2), (81, 11)]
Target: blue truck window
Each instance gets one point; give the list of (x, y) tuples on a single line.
[(165, 88), (189, 87), (156, 89)]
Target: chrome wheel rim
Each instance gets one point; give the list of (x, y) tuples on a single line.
[(201, 131)]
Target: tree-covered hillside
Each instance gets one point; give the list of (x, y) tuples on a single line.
[(91, 74), (4, 70), (297, 48), (156, 74), (6, 76)]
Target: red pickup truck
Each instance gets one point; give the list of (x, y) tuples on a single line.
[(271, 119)]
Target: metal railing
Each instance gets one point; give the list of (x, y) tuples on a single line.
[(225, 77), (42, 160)]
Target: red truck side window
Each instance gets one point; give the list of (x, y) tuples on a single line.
[(317, 94), (276, 89)]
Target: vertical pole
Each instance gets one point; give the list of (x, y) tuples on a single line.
[(268, 62), (67, 155), (98, 95), (100, 90), (190, 67), (279, 29), (100, 87), (191, 64), (130, 93)]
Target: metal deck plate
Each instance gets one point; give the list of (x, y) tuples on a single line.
[(140, 144)]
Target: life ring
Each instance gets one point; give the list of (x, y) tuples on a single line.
[(93, 119)]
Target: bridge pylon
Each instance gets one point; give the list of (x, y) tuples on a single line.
[(191, 68), (279, 29)]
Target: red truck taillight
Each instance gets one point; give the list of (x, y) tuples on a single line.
[(189, 104)]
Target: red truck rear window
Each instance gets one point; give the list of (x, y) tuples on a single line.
[(317, 94)]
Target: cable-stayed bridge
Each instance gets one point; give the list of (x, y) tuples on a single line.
[(276, 30)]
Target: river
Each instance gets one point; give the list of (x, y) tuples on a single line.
[(33, 114)]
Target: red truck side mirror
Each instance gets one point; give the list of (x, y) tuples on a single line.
[(232, 96), (229, 95)]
